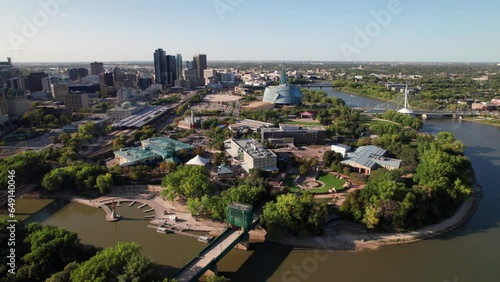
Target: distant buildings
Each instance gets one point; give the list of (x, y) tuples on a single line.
[(283, 94), (178, 67), (483, 106), (152, 151), (75, 101), (126, 110), (73, 74), (189, 122), (171, 69), (252, 155), (16, 103), (200, 64), (59, 91), (190, 76), (144, 82), (35, 81), (47, 81), (298, 135), (96, 68), (368, 158), (160, 62), (106, 79)]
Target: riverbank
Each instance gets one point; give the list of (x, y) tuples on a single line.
[(146, 198), (484, 121), (362, 240)]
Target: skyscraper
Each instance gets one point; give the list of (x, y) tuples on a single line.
[(200, 63), (178, 67), (160, 60), (171, 69), (73, 74), (83, 72), (96, 68)]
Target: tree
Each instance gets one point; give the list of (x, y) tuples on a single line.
[(294, 215), (303, 169), (104, 182), (217, 279), (123, 262), (51, 248), (187, 181)]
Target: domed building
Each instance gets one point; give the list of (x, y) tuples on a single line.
[(283, 94)]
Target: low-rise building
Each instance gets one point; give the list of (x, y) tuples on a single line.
[(302, 135), (126, 110), (151, 152), (251, 154), (483, 106), (341, 149), (368, 158), (250, 123)]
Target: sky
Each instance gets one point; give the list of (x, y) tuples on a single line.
[(278, 30)]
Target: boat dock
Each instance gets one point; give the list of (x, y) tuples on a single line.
[(141, 206)]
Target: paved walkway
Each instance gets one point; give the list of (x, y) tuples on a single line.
[(208, 256)]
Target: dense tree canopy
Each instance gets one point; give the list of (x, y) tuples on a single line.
[(77, 176), (123, 262), (51, 249), (29, 167), (294, 215), (440, 184), (187, 181)]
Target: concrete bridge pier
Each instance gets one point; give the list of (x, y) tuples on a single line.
[(212, 270), (244, 243)]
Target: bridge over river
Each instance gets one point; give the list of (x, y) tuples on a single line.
[(241, 219)]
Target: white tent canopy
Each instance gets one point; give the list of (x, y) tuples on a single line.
[(198, 161)]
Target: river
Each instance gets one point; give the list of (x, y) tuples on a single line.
[(470, 253)]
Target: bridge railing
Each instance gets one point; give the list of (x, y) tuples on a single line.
[(210, 247)]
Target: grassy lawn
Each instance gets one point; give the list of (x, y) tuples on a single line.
[(329, 179), (289, 182), (293, 122)]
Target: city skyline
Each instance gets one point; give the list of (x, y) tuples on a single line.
[(381, 30)]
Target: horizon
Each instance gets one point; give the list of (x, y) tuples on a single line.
[(391, 31)]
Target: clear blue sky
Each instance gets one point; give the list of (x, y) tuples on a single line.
[(126, 30)]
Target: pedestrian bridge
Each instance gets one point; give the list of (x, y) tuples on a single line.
[(208, 257)]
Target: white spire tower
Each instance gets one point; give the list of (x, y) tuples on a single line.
[(406, 110)]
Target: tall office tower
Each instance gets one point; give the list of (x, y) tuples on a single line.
[(178, 67), (171, 69), (35, 81), (47, 81), (190, 65), (73, 74), (96, 68), (160, 60), (106, 79), (200, 64), (144, 83), (83, 72), (118, 74)]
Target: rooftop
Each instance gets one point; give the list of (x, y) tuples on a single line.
[(370, 156), (254, 148), (134, 154), (294, 128), (165, 143)]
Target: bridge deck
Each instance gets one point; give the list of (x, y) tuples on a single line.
[(224, 241)]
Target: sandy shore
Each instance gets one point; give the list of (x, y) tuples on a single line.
[(161, 209), (360, 241)]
